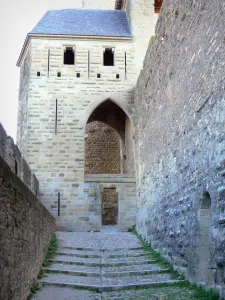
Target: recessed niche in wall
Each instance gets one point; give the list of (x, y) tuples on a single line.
[(78, 75), (117, 76), (98, 75), (38, 74), (58, 74)]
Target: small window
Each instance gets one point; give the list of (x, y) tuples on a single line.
[(108, 59), (69, 56), (58, 74), (158, 4), (38, 74), (78, 75), (117, 76), (98, 75)]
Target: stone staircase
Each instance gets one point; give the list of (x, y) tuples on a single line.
[(103, 269)]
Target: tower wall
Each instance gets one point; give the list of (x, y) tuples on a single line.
[(142, 20), (56, 153)]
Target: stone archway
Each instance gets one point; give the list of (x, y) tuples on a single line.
[(109, 159), (109, 133)]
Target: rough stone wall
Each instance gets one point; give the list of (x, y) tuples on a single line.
[(180, 138), (102, 149), (22, 117), (12, 155), (26, 228)]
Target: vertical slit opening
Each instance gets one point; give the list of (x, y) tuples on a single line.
[(48, 62), (88, 64), (125, 64), (56, 115)]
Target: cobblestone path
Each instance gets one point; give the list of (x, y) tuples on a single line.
[(103, 265)]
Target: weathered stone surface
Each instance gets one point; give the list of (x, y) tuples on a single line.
[(102, 149), (26, 228), (180, 140)]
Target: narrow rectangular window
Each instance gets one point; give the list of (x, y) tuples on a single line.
[(69, 56), (56, 115), (88, 64), (108, 57), (158, 5), (48, 62), (125, 64)]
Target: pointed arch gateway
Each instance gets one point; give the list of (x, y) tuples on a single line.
[(109, 145)]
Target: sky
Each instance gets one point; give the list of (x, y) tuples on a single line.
[(17, 18)]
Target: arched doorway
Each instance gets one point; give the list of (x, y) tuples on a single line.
[(109, 147), (109, 152)]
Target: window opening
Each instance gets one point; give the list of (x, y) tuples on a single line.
[(58, 74), (108, 57), (78, 75), (38, 74), (117, 76), (158, 4), (69, 56), (98, 75)]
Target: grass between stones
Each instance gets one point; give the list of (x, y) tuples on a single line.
[(195, 292), (47, 262)]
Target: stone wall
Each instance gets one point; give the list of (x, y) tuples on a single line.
[(88, 205), (12, 155), (102, 149), (26, 228), (180, 140)]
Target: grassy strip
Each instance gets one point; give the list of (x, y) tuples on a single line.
[(198, 291), (49, 255), (33, 290)]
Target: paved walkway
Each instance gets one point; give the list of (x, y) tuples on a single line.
[(104, 265)]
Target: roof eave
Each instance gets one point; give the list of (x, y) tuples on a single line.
[(66, 36)]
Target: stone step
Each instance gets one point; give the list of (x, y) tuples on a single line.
[(65, 293), (65, 260), (102, 249), (104, 274), (107, 284), (80, 253), (104, 270), (126, 259)]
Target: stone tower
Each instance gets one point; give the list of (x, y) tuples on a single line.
[(76, 110)]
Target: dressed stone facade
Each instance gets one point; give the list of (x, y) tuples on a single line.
[(56, 101)]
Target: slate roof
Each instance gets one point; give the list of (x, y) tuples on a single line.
[(84, 22)]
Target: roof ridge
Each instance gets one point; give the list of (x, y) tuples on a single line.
[(87, 9)]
